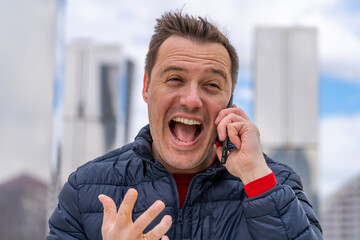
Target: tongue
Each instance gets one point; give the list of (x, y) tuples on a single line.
[(184, 132)]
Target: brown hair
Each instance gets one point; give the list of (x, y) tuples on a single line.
[(197, 29)]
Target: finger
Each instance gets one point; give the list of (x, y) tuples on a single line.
[(223, 124), (109, 211), (234, 133), (147, 217), (219, 152), (124, 215), (165, 238), (240, 112), (223, 113), (159, 230)]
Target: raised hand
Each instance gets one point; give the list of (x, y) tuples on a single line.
[(118, 224), (246, 161)]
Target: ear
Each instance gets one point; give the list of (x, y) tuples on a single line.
[(145, 87)]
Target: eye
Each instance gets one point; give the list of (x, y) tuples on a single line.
[(174, 79), (213, 85)]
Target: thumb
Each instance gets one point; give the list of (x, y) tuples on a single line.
[(219, 152), (110, 211), (165, 238)]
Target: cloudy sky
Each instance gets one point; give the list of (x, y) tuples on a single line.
[(130, 23)]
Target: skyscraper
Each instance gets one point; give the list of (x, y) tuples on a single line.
[(97, 82), (27, 63), (286, 99), (340, 213)]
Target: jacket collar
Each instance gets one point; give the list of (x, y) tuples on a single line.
[(143, 142)]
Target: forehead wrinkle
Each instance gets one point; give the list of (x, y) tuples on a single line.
[(214, 64), (172, 56), (197, 55)]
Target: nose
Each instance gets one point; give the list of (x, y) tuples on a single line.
[(191, 97)]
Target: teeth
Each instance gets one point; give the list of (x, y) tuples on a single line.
[(186, 121)]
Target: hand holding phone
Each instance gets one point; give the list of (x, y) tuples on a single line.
[(225, 144)]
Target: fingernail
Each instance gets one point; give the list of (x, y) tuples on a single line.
[(100, 197), (158, 205), (168, 218), (131, 194)]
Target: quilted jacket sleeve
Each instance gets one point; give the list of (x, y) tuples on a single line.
[(283, 212), (65, 222)]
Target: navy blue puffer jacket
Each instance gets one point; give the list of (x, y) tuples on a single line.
[(216, 206)]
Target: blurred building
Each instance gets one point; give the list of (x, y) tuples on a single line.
[(340, 213), (286, 100), (27, 63), (29, 66), (23, 209), (96, 103)]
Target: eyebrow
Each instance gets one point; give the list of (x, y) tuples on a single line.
[(217, 71), (209, 70), (172, 68)]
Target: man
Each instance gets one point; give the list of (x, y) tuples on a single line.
[(169, 181)]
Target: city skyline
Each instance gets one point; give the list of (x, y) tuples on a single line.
[(338, 46), (127, 24), (32, 67)]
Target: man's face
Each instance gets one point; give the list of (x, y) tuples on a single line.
[(189, 84)]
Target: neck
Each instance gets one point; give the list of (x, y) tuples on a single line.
[(202, 165)]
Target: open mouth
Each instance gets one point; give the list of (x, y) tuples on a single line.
[(185, 130)]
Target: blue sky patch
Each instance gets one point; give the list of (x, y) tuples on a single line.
[(338, 97)]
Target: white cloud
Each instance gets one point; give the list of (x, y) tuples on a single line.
[(127, 23), (339, 151), (339, 44)]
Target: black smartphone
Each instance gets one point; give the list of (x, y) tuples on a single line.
[(225, 144)]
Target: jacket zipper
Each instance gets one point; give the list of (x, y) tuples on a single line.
[(180, 220)]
